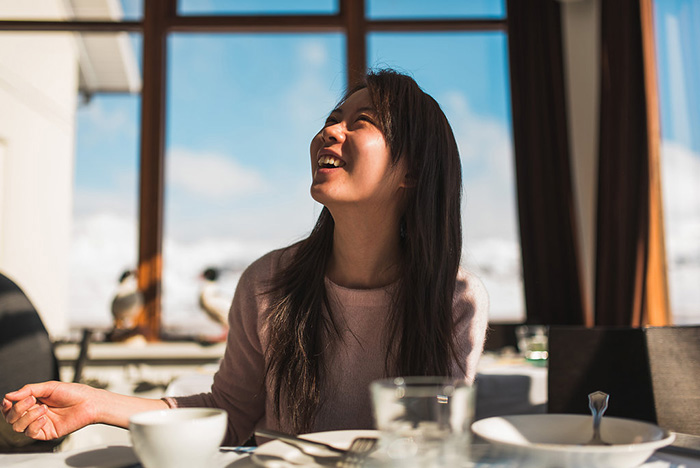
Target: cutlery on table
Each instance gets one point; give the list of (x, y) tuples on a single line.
[(598, 403), (360, 449), (343, 458)]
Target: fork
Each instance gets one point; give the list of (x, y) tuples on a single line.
[(358, 451)]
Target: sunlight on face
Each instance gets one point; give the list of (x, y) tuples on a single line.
[(350, 159)]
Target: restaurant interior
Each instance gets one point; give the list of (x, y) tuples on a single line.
[(601, 292)]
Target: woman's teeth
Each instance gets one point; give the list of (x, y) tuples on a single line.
[(330, 161)]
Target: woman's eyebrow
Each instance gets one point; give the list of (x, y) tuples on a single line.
[(368, 109), (339, 110)]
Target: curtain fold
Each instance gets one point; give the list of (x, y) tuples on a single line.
[(630, 259), (551, 264)]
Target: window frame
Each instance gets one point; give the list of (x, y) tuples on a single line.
[(160, 18)]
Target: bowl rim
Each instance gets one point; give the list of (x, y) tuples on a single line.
[(154, 417), (667, 436)]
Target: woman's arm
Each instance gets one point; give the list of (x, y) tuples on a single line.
[(50, 410)]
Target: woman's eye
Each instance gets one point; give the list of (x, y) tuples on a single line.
[(366, 118), (330, 121)]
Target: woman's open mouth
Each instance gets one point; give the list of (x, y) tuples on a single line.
[(330, 162)]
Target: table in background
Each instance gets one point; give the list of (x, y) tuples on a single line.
[(507, 384)]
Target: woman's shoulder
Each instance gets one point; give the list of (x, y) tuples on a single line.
[(266, 267), (471, 292)]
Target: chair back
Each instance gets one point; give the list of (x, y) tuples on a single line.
[(674, 361), (611, 359), (26, 351)]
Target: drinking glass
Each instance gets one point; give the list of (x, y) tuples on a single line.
[(423, 421), (533, 343)]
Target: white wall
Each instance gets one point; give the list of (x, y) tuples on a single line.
[(38, 83)]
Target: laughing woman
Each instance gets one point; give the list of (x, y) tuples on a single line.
[(375, 291)]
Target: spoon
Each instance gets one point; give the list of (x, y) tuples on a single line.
[(598, 403)]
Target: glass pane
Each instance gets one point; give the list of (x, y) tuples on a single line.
[(471, 84), (256, 7), (54, 10), (377, 9), (69, 181), (242, 110), (678, 62)]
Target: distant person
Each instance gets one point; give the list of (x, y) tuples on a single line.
[(374, 291), (126, 308), (214, 303)]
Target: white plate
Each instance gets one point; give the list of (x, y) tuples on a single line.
[(557, 439), (276, 454)]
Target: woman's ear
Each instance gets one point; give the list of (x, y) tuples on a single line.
[(409, 180)]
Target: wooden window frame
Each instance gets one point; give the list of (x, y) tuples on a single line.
[(160, 18)]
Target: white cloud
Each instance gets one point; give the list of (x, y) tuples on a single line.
[(680, 173), (210, 175), (313, 53), (103, 246), (122, 201), (489, 209)]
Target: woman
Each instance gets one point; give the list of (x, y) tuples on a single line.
[(374, 291)]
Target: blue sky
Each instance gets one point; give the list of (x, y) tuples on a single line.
[(248, 105), (678, 56)]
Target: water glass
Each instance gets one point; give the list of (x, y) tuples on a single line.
[(423, 421), (533, 343)]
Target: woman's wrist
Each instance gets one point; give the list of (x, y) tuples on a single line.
[(115, 409)]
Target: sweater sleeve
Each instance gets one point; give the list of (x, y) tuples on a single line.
[(471, 310), (238, 385)]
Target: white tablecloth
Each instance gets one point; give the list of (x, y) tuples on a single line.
[(116, 456), (123, 456)]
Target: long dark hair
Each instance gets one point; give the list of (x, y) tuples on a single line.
[(420, 331)]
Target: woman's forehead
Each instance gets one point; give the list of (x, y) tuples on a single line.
[(356, 101)]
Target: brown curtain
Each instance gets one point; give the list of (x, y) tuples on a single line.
[(553, 292), (630, 266)]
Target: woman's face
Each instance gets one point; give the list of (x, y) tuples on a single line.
[(350, 159)]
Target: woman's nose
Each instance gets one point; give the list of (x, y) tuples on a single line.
[(334, 132)]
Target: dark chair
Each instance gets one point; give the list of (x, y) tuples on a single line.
[(26, 351), (613, 360), (674, 361), (651, 374)]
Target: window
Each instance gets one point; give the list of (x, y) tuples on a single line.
[(252, 7), (478, 108), (242, 110), (380, 9), (678, 63)]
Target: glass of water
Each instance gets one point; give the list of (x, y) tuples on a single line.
[(423, 421)]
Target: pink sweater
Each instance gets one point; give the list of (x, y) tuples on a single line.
[(353, 364)]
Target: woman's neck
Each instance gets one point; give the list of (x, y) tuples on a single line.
[(366, 251)]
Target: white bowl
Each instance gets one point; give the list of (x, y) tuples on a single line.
[(549, 440), (178, 438)]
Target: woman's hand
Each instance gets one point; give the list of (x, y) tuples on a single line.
[(50, 410)]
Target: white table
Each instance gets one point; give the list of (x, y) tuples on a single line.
[(103, 456), (509, 385), (123, 456)]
